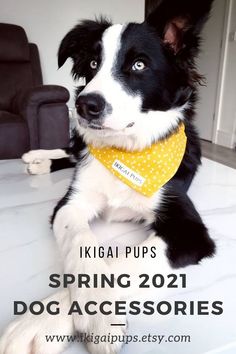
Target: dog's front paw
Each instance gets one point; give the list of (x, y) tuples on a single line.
[(37, 162), (194, 246), (101, 325), (34, 155), (114, 335), (39, 167), (30, 333)]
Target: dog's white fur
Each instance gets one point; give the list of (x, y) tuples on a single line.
[(40, 155), (91, 197), (39, 161), (95, 191), (27, 334)]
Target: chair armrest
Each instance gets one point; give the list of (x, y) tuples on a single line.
[(39, 95), (29, 103)]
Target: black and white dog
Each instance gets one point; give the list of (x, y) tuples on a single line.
[(141, 84)]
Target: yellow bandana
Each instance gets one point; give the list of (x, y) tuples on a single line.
[(148, 170)]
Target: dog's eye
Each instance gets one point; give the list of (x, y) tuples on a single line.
[(93, 64), (139, 65)]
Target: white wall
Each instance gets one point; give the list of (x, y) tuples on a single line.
[(47, 21), (226, 124), (208, 65)]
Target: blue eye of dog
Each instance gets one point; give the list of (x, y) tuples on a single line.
[(93, 64), (139, 65)]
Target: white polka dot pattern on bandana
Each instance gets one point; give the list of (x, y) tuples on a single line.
[(155, 165)]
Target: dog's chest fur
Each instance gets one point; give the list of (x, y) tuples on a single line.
[(94, 180)]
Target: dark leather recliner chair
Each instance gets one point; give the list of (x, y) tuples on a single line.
[(32, 116)]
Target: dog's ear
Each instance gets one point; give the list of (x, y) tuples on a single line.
[(179, 23), (67, 48), (80, 39)]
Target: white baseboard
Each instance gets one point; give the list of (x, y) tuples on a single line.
[(225, 138)]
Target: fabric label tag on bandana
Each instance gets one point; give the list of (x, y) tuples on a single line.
[(148, 170), (128, 173)]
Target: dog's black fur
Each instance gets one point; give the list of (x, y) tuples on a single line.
[(169, 40)]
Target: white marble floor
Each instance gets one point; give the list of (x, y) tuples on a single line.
[(28, 255)]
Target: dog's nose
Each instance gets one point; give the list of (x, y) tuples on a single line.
[(90, 106)]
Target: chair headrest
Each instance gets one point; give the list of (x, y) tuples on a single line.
[(14, 44)]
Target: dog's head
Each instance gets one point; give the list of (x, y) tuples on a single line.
[(139, 77)]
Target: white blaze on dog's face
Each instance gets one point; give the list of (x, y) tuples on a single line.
[(121, 106), (135, 93)]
